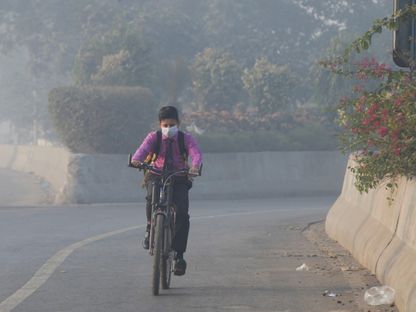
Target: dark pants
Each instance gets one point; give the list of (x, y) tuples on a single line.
[(181, 188)]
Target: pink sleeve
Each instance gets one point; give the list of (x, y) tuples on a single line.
[(193, 150), (145, 148)]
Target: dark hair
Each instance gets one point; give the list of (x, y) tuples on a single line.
[(168, 112)]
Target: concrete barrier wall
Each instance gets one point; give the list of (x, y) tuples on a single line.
[(49, 163), (270, 173), (79, 178), (381, 235), (106, 178)]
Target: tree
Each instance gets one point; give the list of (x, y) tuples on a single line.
[(216, 79), (55, 32), (269, 86), (172, 33), (48, 34), (284, 30), (173, 79), (118, 57)]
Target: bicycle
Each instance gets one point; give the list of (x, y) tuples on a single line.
[(162, 225)]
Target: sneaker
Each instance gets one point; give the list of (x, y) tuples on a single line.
[(180, 267), (145, 241)]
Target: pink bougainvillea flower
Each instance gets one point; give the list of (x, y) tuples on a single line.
[(374, 107), (398, 102), (383, 131), (395, 136), (385, 114), (377, 124), (361, 76), (364, 63)]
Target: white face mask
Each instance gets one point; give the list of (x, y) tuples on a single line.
[(170, 131)]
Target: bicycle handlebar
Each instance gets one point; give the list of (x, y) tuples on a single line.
[(144, 166)]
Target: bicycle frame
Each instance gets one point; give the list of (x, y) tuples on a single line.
[(162, 204)]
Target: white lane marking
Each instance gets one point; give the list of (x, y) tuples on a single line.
[(46, 270), (248, 213), (50, 266)]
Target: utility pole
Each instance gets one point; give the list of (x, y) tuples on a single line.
[(404, 43)]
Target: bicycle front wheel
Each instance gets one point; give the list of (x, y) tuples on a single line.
[(157, 253), (167, 257)]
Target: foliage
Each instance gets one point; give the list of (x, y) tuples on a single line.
[(269, 86), (54, 30), (119, 57), (249, 131), (363, 43), (101, 119), (43, 38), (252, 120), (329, 87), (216, 79), (172, 31), (312, 137), (283, 30), (173, 78), (56, 33), (379, 124)]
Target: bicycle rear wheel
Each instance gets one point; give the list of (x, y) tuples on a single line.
[(167, 258), (157, 253)]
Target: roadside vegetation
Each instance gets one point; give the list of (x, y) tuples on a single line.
[(378, 119), (245, 75)]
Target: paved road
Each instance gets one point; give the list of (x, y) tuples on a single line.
[(242, 257)]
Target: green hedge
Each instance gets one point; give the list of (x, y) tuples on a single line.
[(312, 137), (101, 119)]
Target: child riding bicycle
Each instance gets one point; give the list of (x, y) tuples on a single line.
[(168, 149)]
